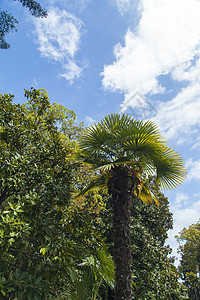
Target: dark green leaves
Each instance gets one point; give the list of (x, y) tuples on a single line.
[(34, 7), (35, 190)]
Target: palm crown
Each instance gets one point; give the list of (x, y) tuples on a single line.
[(121, 140)]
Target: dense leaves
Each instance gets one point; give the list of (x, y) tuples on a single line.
[(153, 272), (53, 242), (189, 239), (34, 8), (42, 240)]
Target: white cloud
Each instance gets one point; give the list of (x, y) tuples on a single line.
[(123, 5), (181, 200), (34, 83), (183, 217), (80, 4), (193, 169), (138, 105), (166, 41), (71, 71), (196, 145), (178, 117), (128, 7), (59, 38), (89, 120)]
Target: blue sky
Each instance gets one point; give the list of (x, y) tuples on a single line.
[(98, 57)]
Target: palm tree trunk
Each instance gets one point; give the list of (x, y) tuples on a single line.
[(121, 232)]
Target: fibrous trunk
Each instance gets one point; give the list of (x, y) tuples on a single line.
[(121, 232)]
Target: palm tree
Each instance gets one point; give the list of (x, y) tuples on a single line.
[(123, 152)]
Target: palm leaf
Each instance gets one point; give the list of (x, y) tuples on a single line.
[(97, 183), (146, 194), (170, 168), (119, 139), (121, 161)]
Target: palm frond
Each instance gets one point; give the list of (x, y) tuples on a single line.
[(102, 265), (119, 139), (107, 166), (170, 168), (97, 183), (146, 194)]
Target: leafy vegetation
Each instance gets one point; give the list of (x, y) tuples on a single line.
[(189, 239), (122, 152), (153, 272), (56, 241), (44, 244)]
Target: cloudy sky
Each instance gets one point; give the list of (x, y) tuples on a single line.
[(141, 57)]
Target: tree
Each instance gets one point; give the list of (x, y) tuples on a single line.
[(45, 244), (154, 274), (189, 239), (123, 152), (8, 22), (35, 186)]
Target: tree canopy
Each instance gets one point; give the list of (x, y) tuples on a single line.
[(44, 243), (189, 239), (155, 276)]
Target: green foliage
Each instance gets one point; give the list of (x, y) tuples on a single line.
[(190, 250), (121, 140), (34, 185), (189, 239), (42, 240), (52, 244), (34, 8), (8, 22), (33, 149), (122, 153), (97, 272), (153, 272)]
